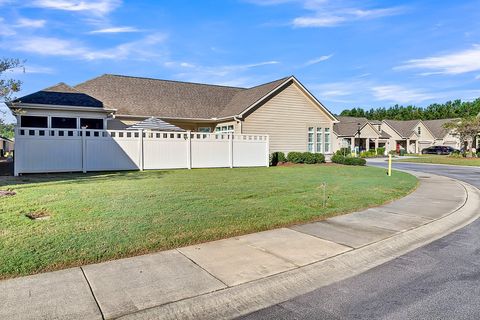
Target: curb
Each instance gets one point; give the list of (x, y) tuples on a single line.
[(252, 296)]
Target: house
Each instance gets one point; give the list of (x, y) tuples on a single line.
[(283, 109), (359, 133), (6, 145), (416, 135)]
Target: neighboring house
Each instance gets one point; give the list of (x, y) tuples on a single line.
[(6, 145), (284, 109), (354, 132), (416, 135)]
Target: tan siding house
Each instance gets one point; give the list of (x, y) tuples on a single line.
[(286, 118)]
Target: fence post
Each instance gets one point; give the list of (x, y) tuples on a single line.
[(84, 150), (16, 169), (189, 149), (230, 149), (267, 151), (140, 149)]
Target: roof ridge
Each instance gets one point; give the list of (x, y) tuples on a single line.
[(176, 81)]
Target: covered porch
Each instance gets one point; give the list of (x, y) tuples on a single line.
[(365, 144)]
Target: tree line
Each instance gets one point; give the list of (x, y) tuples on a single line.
[(450, 109)]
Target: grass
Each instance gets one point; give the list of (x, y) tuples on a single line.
[(435, 159), (98, 217)]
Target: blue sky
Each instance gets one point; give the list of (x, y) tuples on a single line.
[(348, 53)]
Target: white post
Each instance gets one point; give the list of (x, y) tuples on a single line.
[(140, 150), (408, 146), (230, 149), (16, 169), (267, 151), (84, 150), (189, 149)]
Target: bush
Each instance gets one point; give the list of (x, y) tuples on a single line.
[(295, 157), (305, 157), (380, 151), (368, 154), (338, 158), (344, 152), (350, 161), (319, 158), (392, 152), (277, 157)]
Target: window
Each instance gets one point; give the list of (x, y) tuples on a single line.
[(319, 140), (64, 123), (225, 129), (419, 130), (310, 139), (34, 122), (95, 124), (204, 129), (327, 140)]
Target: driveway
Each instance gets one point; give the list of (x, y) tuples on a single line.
[(438, 281)]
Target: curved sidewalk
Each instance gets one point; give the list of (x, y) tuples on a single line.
[(236, 276)]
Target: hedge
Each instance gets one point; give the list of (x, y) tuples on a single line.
[(277, 157), (305, 157), (349, 161)]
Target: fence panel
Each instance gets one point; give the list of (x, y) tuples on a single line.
[(65, 150), (165, 150)]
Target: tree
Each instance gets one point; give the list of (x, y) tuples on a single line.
[(7, 88), (466, 129)]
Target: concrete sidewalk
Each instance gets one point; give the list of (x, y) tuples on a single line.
[(235, 276)]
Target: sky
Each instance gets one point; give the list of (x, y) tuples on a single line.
[(347, 53)]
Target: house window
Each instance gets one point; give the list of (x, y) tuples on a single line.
[(64, 123), (327, 140), (204, 129), (319, 140), (94, 124), (225, 129), (33, 122), (310, 139), (419, 130)]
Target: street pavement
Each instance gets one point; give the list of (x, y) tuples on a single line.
[(438, 281)]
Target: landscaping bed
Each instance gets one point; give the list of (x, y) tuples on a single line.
[(61, 220)]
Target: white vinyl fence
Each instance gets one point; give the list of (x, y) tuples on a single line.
[(69, 150)]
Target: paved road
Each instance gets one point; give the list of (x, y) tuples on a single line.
[(438, 281)]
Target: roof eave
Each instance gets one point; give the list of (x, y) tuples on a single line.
[(20, 105)]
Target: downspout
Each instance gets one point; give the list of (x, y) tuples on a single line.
[(239, 123)]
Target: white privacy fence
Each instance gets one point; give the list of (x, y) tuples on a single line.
[(69, 150)]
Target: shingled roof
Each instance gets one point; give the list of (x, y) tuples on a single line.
[(404, 128), (61, 94), (173, 99), (436, 127)]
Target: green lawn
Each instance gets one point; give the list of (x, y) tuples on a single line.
[(435, 159), (97, 217)]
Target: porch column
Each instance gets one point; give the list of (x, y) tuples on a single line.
[(376, 144), (416, 146), (367, 144), (352, 143), (408, 146)]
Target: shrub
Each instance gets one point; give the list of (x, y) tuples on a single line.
[(368, 154), (478, 154), (344, 152), (277, 157), (319, 158), (295, 157), (338, 158), (380, 151), (392, 152), (350, 161), (308, 158)]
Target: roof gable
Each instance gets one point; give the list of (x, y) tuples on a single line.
[(436, 127)]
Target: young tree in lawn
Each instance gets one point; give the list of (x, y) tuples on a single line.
[(466, 129), (8, 87)]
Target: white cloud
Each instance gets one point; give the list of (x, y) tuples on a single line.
[(95, 7), (30, 23), (318, 60), (30, 69), (48, 46), (455, 63), (5, 29), (477, 77), (329, 13), (116, 30), (400, 94)]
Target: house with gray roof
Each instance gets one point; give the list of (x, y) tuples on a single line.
[(284, 109), (360, 134), (6, 145)]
